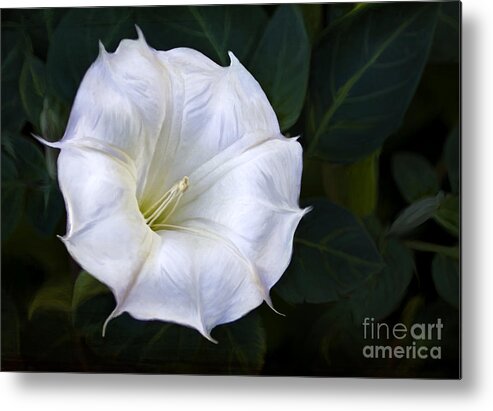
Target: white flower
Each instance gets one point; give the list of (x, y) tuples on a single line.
[(181, 193)]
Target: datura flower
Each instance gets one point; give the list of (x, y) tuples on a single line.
[(181, 193)]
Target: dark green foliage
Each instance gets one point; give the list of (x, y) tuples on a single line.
[(373, 91), (364, 75), (333, 255), (283, 74), (75, 44), (446, 278), (414, 176)]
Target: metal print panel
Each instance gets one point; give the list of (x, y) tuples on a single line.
[(234, 189)]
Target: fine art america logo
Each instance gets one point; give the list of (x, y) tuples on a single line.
[(425, 339)]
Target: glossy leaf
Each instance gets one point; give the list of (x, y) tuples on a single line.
[(384, 290), (414, 176), (84, 27), (212, 30), (333, 255), (281, 63), (154, 346), (416, 214), (365, 73)]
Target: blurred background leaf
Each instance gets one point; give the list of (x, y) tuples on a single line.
[(416, 214), (447, 34), (448, 214), (283, 74), (213, 30), (452, 159), (414, 176), (74, 45), (155, 346), (333, 255), (446, 277), (32, 88), (383, 291), (364, 76)]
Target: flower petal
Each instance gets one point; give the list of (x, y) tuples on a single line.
[(106, 233), (123, 101), (220, 106), (249, 195), (192, 280), (168, 111)]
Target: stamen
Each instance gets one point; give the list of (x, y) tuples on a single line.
[(170, 199)]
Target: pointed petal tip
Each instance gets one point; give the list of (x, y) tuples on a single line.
[(113, 314), (306, 210), (140, 35), (268, 301), (102, 50), (207, 335), (54, 144), (233, 60)]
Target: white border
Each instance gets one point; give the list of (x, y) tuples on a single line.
[(128, 392)]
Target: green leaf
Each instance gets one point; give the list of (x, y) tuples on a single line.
[(85, 288), (414, 176), (12, 197), (29, 161), (212, 30), (353, 186), (13, 48), (452, 159), (333, 255), (446, 276), (448, 214), (365, 73), (37, 24), (313, 17), (342, 13), (155, 346), (53, 118), (32, 88), (45, 207), (446, 42), (449, 251), (240, 350), (54, 296), (281, 63), (384, 290), (74, 45), (416, 214)]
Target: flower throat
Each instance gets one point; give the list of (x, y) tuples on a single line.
[(156, 215)]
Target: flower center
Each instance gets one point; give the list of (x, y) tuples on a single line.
[(162, 209)]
